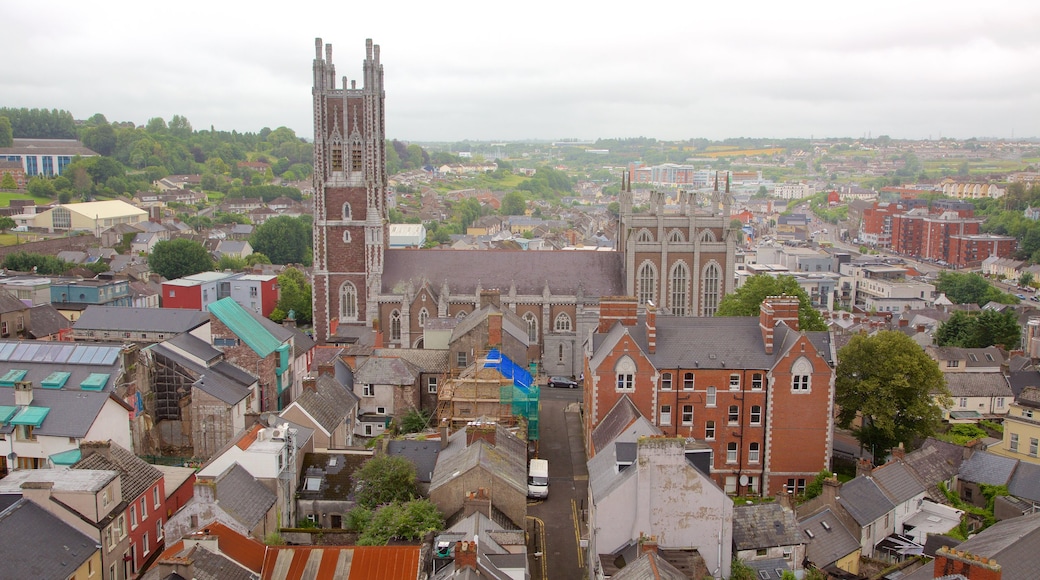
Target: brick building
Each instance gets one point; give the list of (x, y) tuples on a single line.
[(756, 390), (971, 249), (917, 233)]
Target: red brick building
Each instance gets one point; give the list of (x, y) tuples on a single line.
[(972, 249), (756, 390), (928, 236)]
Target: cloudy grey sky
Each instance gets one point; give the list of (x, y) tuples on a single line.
[(545, 70)]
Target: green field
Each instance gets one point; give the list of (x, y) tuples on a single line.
[(7, 196)]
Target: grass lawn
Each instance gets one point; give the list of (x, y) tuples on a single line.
[(7, 196)]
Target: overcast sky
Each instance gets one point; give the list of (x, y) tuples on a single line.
[(487, 70)]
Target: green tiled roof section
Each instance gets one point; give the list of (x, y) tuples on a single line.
[(94, 382), (6, 412), (11, 377), (66, 457), (244, 326), (31, 416), (55, 380)]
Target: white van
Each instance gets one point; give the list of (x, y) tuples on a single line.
[(538, 478)]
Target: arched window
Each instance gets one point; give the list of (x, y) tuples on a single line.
[(423, 315), (709, 399), (563, 323), (666, 381), (711, 282), (348, 302), (561, 352), (646, 283), (753, 452), (676, 236), (644, 236), (626, 374), (355, 153), (707, 236), (678, 282), (346, 211), (395, 325), (346, 236), (801, 375), (532, 327), (687, 382)]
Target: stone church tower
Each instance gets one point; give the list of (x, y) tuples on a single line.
[(351, 228)]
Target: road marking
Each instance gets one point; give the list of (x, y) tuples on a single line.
[(541, 542), (577, 533), (581, 478)]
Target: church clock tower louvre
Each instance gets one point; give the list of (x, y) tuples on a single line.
[(350, 188)]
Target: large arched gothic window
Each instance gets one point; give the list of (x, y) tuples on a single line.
[(395, 325), (563, 323), (355, 153), (532, 327), (646, 283), (644, 236), (346, 211), (711, 282), (707, 236), (423, 315), (675, 236), (678, 282), (348, 302)]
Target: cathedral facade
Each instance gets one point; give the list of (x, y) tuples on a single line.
[(675, 255)]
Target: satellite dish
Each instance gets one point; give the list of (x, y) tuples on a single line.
[(744, 480), (271, 419)]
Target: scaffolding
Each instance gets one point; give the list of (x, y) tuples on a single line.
[(493, 387)]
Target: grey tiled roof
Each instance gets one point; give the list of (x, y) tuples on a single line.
[(650, 565), (386, 371), (45, 320), (898, 481), (422, 454), (207, 565), (71, 412), (713, 342), (507, 459), (864, 500), (988, 468), (243, 497), (597, 273), (329, 403), (10, 303), (617, 420), (426, 360), (828, 544), (164, 320), (1025, 482), (136, 476), (934, 462), (36, 544), (1013, 543), (991, 384), (764, 525)]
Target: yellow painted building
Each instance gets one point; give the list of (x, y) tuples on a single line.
[(1022, 428), (90, 216)]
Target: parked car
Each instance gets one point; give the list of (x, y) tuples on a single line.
[(562, 383)]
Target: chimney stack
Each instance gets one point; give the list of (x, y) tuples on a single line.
[(490, 298), (444, 433), (898, 452), (310, 382), (465, 556), (23, 393), (494, 329), (830, 491), (477, 502), (480, 432), (864, 467), (647, 544), (614, 309), (776, 309), (651, 328)]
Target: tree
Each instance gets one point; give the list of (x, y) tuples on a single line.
[(6, 133), (38, 263), (178, 258), (970, 288), (1026, 279), (384, 479), (231, 262), (747, 300), (404, 521), (294, 294), (8, 182), (888, 381), (415, 421), (284, 239), (40, 186), (979, 330), (513, 204), (7, 223)]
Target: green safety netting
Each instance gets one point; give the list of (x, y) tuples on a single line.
[(522, 395)]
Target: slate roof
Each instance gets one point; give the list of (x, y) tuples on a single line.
[(422, 454), (35, 543), (386, 371), (426, 360), (864, 500), (988, 468), (898, 481), (221, 379), (243, 497), (207, 565), (507, 459), (618, 420), (989, 384), (765, 525), (45, 320), (328, 404), (1013, 543), (136, 476), (72, 412), (934, 462), (1025, 482), (162, 320), (828, 544), (976, 358), (596, 273), (335, 470), (10, 303), (649, 566)]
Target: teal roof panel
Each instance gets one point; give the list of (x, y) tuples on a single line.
[(94, 382), (239, 321), (6, 412), (66, 457), (31, 416), (11, 377), (55, 380)]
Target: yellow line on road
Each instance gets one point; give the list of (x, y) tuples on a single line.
[(541, 543), (577, 533)]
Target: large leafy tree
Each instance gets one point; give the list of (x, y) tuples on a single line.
[(39, 263), (404, 521), (178, 258), (6, 133), (284, 239), (747, 300), (889, 382), (513, 204), (294, 295), (970, 288), (979, 330), (7, 223), (384, 479)]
